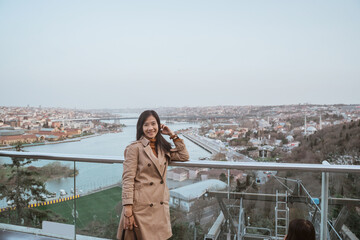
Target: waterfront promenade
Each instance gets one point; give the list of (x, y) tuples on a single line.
[(77, 139)]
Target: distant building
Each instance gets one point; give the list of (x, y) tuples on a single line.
[(72, 132), (10, 131), (311, 130), (51, 136), (255, 141), (9, 140), (290, 146), (185, 197), (194, 172), (290, 138), (215, 174), (278, 142), (55, 124), (178, 174), (48, 130)]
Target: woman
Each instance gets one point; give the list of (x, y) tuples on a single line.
[(145, 196), (300, 229)]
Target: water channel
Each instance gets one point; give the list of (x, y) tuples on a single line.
[(96, 175)]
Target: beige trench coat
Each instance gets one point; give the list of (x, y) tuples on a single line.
[(144, 186)]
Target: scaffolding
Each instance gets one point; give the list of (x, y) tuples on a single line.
[(281, 215), (239, 229)]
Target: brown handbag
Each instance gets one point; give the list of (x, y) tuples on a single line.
[(136, 234)]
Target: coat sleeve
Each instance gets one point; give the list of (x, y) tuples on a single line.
[(179, 153), (129, 173)]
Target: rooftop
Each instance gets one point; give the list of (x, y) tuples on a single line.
[(196, 190)]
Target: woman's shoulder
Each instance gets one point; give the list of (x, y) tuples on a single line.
[(132, 147), (134, 144)]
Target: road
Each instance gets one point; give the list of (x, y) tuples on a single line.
[(216, 146)]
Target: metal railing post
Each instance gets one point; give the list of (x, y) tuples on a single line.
[(75, 211), (228, 180), (324, 203)]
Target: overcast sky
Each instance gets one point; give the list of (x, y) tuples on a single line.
[(117, 54)]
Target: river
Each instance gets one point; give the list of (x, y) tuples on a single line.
[(96, 175)]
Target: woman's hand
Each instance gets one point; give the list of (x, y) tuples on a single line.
[(129, 220), (166, 130)]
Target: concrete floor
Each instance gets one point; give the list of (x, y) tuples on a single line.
[(10, 235)]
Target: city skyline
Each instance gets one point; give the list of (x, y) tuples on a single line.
[(90, 55)]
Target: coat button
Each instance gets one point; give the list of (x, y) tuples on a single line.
[(162, 182), (161, 203), (151, 205), (149, 165), (151, 183)]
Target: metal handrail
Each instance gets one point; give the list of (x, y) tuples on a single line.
[(200, 164), (192, 163)]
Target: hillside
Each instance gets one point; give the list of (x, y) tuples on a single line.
[(332, 144), (338, 144)]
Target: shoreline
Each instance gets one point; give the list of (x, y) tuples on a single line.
[(78, 139)]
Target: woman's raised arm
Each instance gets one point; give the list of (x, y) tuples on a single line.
[(179, 153)]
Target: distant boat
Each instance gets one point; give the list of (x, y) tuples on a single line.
[(77, 191), (51, 195), (62, 192)]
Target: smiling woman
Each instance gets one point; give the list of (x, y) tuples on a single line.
[(145, 195), (150, 127)]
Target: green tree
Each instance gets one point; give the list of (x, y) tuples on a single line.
[(248, 180), (22, 187), (223, 177), (181, 231), (185, 231)]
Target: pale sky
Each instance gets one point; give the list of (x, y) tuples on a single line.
[(118, 54)]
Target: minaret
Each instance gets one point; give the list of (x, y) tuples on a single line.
[(320, 122), (305, 125)]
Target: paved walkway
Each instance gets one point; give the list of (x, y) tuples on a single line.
[(10, 235)]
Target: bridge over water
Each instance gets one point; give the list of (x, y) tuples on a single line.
[(188, 118)]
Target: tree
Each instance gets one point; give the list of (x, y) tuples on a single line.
[(240, 186), (223, 177), (181, 230), (21, 188)]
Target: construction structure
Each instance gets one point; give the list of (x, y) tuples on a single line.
[(234, 226)]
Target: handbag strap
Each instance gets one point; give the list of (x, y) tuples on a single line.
[(123, 234)]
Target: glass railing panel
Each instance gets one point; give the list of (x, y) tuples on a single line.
[(99, 206), (204, 202), (344, 205), (263, 202), (36, 197)]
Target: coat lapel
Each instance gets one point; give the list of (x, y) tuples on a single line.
[(164, 163), (150, 154)]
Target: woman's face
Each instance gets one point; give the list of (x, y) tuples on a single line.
[(150, 127)]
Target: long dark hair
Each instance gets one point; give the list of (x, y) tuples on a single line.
[(300, 229), (160, 140)]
